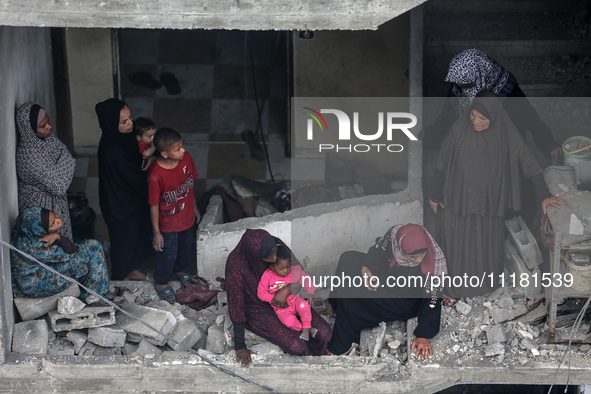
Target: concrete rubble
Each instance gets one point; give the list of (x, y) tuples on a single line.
[(502, 329)]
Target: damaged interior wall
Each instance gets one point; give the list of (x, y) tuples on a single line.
[(317, 234), (25, 75), (90, 72)]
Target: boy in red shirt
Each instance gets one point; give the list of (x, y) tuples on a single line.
[(173, 210)]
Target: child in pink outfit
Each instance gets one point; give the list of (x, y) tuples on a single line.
[(279, 274)]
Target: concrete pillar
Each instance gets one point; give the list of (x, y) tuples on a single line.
[(25, 67)]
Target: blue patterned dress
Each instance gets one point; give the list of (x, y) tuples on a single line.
[(29, 279)]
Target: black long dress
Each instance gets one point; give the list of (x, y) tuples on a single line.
[(123, 192), (358, 308)]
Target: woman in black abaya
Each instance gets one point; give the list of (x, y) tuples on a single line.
[(123, 191)]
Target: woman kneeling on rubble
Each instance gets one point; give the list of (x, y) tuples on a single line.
[(244, 268), (35, 233), (388, 293)]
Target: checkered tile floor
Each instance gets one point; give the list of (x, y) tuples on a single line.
[(215, 105)]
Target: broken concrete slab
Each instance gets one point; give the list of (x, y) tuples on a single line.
[(65, 349), (78, 338), (517, 265), (529, 344), (32, 308), (107, 351), (87, 350), (216, 340), (524, 241), (495, 334), (463, 308), (500, 315), (86, 318), (185, 332), (30, 337), (107, 336), (495, 349), (129, 348), (267, 349), (372, 340), (161, 320), (145, 348), (534, 316), (68, 305)]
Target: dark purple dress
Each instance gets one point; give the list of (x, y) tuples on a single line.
[(243, 273)]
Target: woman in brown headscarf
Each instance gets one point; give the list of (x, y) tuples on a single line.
[(477, 183)]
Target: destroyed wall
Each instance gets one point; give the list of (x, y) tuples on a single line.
[(25, 75), (317, 234)]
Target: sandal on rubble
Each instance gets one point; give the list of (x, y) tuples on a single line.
[(184, 278), (115, 299), (448, 301), (167, 294), (118, 291)]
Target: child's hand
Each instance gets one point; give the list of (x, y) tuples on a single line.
[(197, 215), (158, 242), (49, 239), (310, 299)]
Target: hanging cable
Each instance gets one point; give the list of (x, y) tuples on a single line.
[(575, 328), (254, 88), (205, 359)]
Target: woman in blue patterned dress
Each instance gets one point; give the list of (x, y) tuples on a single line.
[(36, 233)]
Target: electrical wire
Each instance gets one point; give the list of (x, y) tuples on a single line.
[(575, 328), (254, 88), (205, 359)]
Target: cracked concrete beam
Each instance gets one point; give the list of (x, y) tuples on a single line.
[(209, 14)]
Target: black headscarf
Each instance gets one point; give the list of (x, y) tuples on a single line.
[(108, 113), (123, 187)]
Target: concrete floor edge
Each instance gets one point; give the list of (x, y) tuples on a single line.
[(283, 373)]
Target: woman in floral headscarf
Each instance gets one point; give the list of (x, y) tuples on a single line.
[(244, 268), (405, 251), (36, 233), (472, 71), (43, 165)]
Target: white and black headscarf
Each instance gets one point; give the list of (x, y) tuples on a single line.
[(44, 168), (474, 66)]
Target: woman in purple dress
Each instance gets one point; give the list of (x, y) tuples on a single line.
[(244, 268)]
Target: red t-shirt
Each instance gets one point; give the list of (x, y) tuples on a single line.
[(172, 190), (142, 146)]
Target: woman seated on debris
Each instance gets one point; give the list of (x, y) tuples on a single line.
[(244, 268), (405, 251), (35, 233), (477, 182)]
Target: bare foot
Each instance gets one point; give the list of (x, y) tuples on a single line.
[(305, 335), (136, 275), (313, 332)]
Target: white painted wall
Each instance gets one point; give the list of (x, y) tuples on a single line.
[(25, 75), (317, 234)]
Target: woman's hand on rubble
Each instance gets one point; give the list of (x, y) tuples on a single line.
[(555, 202), (423, 346), (243, 357)]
